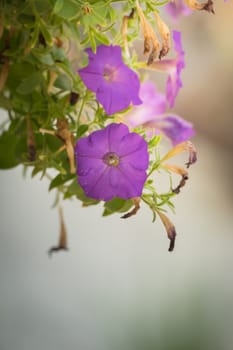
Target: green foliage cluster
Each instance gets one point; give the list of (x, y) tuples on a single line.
[(42, 45)]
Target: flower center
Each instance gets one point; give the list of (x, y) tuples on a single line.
[(110, 73), (111, 159)]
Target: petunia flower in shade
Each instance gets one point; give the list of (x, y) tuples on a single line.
[(112, 162), (152, 114), (116, 85), (173, 67), (177, 8)]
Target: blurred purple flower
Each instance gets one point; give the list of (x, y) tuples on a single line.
[(115, 84), (173, 67), (151, 114), (112, 162), (177, 8)]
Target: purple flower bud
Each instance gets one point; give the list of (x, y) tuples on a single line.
[(152, 114), (112, 162), (115, 84), (177, 8)]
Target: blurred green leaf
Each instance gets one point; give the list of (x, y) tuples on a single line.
[(58, 6), (118, 205), (75, 190), (29, 84), (45, 58), (60, 180), (69, 9), (5, 103), (63, 82), (12, 147), (81, 130), (46, 34)]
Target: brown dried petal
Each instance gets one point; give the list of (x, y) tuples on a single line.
[(136, 202), (165, 34), (62, 242), (170, 228), (196, 5)]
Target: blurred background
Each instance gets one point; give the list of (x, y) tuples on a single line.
[(118, 288)]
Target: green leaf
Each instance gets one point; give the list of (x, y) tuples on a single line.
[(101, 37), (58, 6), (75, 190), (12, 148), (45, 58), (17, 73), (58, 54), (66, 69), (34, 37), (60, 180), (29, 84), (36, 170), (46, 34), (63, 82), (118, 205), (69, 10), (5, 103), (107, 212), (28, 20), (92, 40), (81, 130), (154, 141)]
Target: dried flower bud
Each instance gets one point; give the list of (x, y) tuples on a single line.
[(136, 202), (196, 5), (62, 242), (186, 146), (170, 228), (151, 43), (165, 34), (192, 154), (124, 29), (180, 171)]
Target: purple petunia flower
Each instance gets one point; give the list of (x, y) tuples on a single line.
[(152, 114), (177, 8), (115, 84), (174, 68), (112, 162)]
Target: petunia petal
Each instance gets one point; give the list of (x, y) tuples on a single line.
[(177, 8), (116, 133), (153, 104), (131, 181), (131, 143), (91, 77), (94, 146), (88, 180), (112, 99), (102, 180), (115, 84), (174, 127), (174, 82)]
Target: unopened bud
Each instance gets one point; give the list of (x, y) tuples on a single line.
[(196, 5)]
